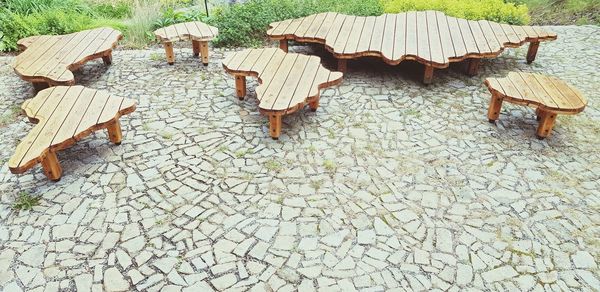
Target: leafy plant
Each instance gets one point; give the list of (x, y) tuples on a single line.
[(26, 201)]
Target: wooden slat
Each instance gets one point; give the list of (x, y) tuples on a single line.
[(272, 89), (305, 25), (499, 33), (365, 37), (541, 94), (92, 114), (423, 50), (34, 52), (457, 37), (510, 33), (304, 85), (411, 33), (400, 37), (389, 36), (526, 92), (563, 101), (280, 28), (322, 74), (291, 29), (445, 36), (521, 34), (327, 24), (469, 39), (490, 36), (251, 59), (110, 110), (531, 33), (238, 60), (342, 37), (435, 45), (311, 32), (265, 59), (266, 75), (377, 35), (69, 126), (283, 96), (49, 68), (335, 29), (193, 30), (509, 89), (480, 41), (205, 29), (570, 93), (354, 37)]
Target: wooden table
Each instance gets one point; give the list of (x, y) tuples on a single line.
[(428, 37), (287, 81), (549, 95), (50, 60), (64, 115), (198, 32)]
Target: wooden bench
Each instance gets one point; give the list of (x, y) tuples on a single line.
[(199, 33), (63, 116), (49, 60), (550, 96), (287, 81), (428, 37)]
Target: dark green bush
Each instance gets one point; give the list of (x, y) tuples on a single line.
[(117, 10), (245, 24)]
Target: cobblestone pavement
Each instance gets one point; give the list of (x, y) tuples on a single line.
[(390, 184)]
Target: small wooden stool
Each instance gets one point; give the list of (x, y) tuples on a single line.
[(287, 81), (65, 115), (198, 32), (549, 95)]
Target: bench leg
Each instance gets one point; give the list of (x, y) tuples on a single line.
[(546, 124), (204, 52), (51, 166), (283, 44), (240, 86), (196, 48), (114, 132), (107, 59), (170, 54), (342, 65), (538, 114), (39, 86), (473, 66), (314, 105), (428, 76), (532, 52), (494, 109), (275, 126)]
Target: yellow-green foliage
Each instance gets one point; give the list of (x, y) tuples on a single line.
[(494, 10)]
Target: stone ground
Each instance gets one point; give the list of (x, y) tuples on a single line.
[(390, 184)]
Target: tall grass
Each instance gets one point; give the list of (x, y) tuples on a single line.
[(144, 14), (26, 7)]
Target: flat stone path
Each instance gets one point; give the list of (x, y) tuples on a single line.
[(390, 185)]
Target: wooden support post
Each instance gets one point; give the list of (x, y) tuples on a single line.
[(240, 86), (204, 52), (114, 132), (428, 76), (342, 65), (107, 59), (546, 124), (495, 107), (275, 126), (538, 114), (196, 47), (473, 66), (51, 166), (39, 86), (283, 44), (532, 52), (314, 105), (170, 54)]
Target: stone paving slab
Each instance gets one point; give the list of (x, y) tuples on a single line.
[(389, 184)]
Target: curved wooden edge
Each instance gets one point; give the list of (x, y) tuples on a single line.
[(294, 108), (71, 67), (23, 167), (531, 103), (379, 54)]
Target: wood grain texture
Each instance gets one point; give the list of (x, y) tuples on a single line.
[(51, 59), (287, 81), (429, 37), (64, 115), (195, 30)]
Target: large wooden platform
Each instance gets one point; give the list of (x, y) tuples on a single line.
[(50, 60), (428, 37), (287, 81), (198, 32), (549, 95), (63, 116)]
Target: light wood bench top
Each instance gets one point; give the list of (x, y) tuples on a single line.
[(195, 30), (537, 90), (63, 116), (429, 37), (287, 81), (50, 59)]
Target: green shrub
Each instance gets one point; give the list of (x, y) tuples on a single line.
[(494, 10), (245, 24), (118, 10), (140, 27), (26, 7)]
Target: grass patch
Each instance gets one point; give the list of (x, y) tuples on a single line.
[(25, 201), (329, 165), (563, 12), (273, 165)]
